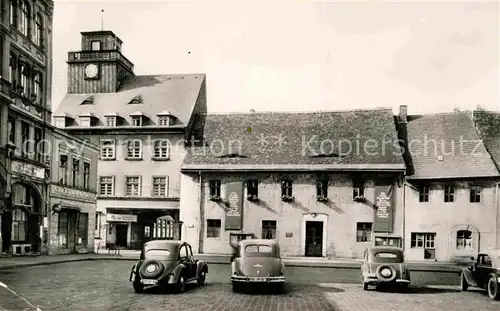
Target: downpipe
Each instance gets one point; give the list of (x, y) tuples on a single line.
[(201, 232), (498, 215)]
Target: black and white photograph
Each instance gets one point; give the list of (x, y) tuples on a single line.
[(251, 155)]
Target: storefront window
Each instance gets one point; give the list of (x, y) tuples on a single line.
[(19, 225), (82, 229), (63, 227)]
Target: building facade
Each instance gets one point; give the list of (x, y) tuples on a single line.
[(142, 125), (25, 79), (321, 184), (451, 192), (73, 194)]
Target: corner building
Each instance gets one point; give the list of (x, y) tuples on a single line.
[(141, 124), (291, 177)]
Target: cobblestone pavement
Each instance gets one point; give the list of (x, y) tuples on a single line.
[(352, 297), (103, 285)]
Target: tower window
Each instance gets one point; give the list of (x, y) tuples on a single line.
[(95, 45)]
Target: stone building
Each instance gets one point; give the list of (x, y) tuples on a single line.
[(321, 184), (73, 188), (25, 114), (451, 193), (142, 124)]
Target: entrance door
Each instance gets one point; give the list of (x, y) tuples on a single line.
[(72, 230), (314, 238), (121, 235)]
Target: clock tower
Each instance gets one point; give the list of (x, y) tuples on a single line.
[(99, 67)]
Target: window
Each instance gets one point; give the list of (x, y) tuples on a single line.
[(76, 171), (86, 175), (133, 186), (24, 17), (364, 232), (82, 230), (387, 241), (252, 189), (269, 229), (108, 149), (12, 70), (147, 231), (38, 35), (63, 169), (214, 186), (24, 79), (60, 121), (423, 240), (39, 146), (95, 45), (449, 193), (321, 189), (286, 189), (161, 149), (12, 130), (134, 149), (358, 189), (63, 229), (106, 185), (464, 239), (423, 194), (164, 120), (85, 121), (13, 13), (159, 186), (97, 226), (111, 121), (475, 194), (37, 91), (213, 228), (19, 225), (136, 121), (25, 138)]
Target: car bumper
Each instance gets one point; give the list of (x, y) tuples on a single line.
[(373, 280), (268, 279)]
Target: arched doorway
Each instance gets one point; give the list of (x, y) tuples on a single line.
[(21, 220)]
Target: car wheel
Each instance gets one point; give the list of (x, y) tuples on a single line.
[(365, 286), (493, 288), (138, 287), (202, 277), (463, 283), (181, 284)]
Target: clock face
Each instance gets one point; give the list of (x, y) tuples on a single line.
[(91, 71)]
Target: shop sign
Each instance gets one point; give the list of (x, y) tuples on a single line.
[(121, 217), (28, 169)]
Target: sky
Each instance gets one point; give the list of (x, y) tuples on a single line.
[(284, 55)]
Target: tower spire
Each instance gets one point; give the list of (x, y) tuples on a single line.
[(102, 19)]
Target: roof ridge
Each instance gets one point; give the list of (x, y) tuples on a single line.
[(299, 112)]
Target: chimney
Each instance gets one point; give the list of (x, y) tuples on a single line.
[(456, 110), (403, 113), (252, 110)]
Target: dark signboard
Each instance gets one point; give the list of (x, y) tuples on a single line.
[(234, 209), (384, 208)]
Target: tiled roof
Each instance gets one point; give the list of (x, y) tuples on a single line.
[(447, 145), (488, 126), (157, 93), (281, 139)]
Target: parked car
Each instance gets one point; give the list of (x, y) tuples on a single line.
[(384, 266), (483, 273), (167, 263), (257, 262)]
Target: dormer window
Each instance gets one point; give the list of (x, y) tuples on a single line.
[(88, 101), (136, 121), (136, 100), (86, 119), (60, 121), (165, 118), (111, 121), (137, 118)]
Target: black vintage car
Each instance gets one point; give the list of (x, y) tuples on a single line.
[(383, 265), (257, 262), (483, 273), (167, 263)]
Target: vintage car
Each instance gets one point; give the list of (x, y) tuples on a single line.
[(384, 266), (483, 273), (257, 262), (167, 263)]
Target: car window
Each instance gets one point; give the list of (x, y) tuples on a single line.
[(183, 252), (254, 248), (159, 254), (386, 255), (190, 251), (486, 260)]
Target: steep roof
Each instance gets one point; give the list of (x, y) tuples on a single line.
[(289, 140), (156, 93), (447, 145), (488, 126)]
